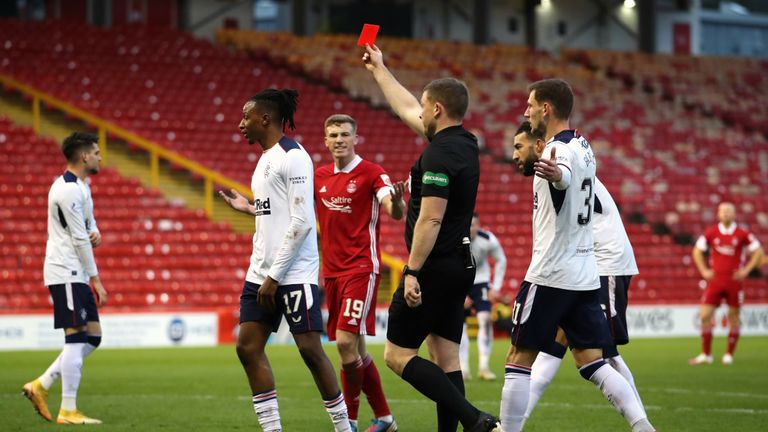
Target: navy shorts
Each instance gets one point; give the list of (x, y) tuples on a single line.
[(613, 300), (479, 296), (539, 310), (444, 284), (73, 305), (300, 304)]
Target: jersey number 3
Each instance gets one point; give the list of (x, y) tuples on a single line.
[(586, 186)]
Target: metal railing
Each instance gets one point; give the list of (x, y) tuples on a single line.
[(156, 154)]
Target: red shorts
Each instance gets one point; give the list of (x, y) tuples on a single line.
[(723, 287), (351, 302)]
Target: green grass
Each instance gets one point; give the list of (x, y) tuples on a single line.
[(205, 390)]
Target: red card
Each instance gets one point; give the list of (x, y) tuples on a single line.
[(368, 35)]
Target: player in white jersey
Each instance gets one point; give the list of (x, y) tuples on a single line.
[(484, 245), (69, 268), (282, 278), (561, 286), (616, 266)]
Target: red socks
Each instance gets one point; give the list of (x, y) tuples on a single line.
[(372, 388), (351, 385), (733, 338), (706, 340)]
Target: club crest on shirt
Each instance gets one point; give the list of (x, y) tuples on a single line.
[(268, 170), (352, 186)]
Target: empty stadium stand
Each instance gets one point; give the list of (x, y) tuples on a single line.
[(186, 94), (154, 253)]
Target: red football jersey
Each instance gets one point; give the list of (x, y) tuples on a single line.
[(347, 203), (726, 247)]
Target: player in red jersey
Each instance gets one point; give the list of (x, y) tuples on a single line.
[(725, 242), (349, 195)]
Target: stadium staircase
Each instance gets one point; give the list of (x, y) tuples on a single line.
[(152, 248)]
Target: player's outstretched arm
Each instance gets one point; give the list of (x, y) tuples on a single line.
[(393, 203), (402, 101), (238, 202)]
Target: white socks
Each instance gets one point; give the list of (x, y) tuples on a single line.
[(484, 343), (267, 411), (618, 392), (71, 361), (543, 372), (464, 351), (484, 338), (621, 367), (337, 410), (53, 373), (514, 397)]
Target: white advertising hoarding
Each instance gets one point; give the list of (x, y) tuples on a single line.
[(135, 330), (683, 320), (21, 332)]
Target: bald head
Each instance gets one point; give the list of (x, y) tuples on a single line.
[(726, 213)]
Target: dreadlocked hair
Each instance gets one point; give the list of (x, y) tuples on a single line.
[(282, 103)]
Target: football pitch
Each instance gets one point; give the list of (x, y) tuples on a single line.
[(204, 389)]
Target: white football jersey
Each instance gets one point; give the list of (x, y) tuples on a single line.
[(485, 245), (285, 241), (613, 250), (563, 242), (68, 251)]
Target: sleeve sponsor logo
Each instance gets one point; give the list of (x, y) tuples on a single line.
[(262, 207), (437, 179), (386, 180), (298, 179)]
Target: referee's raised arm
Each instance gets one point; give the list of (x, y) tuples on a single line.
[(429, 303), (402, 101)]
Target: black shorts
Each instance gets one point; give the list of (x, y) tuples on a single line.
[(539, 310), (299, 303), (479, 296), (73, 305), (613, 300), (444, 284)]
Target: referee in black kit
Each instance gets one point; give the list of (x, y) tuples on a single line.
[(429, 303)]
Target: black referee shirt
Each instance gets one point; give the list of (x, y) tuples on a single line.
[(448, 168)]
